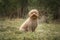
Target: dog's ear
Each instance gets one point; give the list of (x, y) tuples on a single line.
[(29, 14)]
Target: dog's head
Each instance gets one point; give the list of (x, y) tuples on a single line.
[(34, 14)]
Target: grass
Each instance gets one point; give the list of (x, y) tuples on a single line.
[(9, 31)]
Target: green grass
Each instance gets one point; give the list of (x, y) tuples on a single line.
[(9, 31)]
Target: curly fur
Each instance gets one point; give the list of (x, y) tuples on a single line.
[(31, 23)]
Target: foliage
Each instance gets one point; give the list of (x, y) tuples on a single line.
[(19, 8)]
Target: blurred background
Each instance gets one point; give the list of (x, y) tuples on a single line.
[(14, 12), (20, 8)]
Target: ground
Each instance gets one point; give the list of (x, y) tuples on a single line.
[(45, 31)]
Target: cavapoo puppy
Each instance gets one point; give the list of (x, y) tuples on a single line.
[(31, 23)]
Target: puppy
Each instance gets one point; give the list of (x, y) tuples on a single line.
[(31, 23)]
